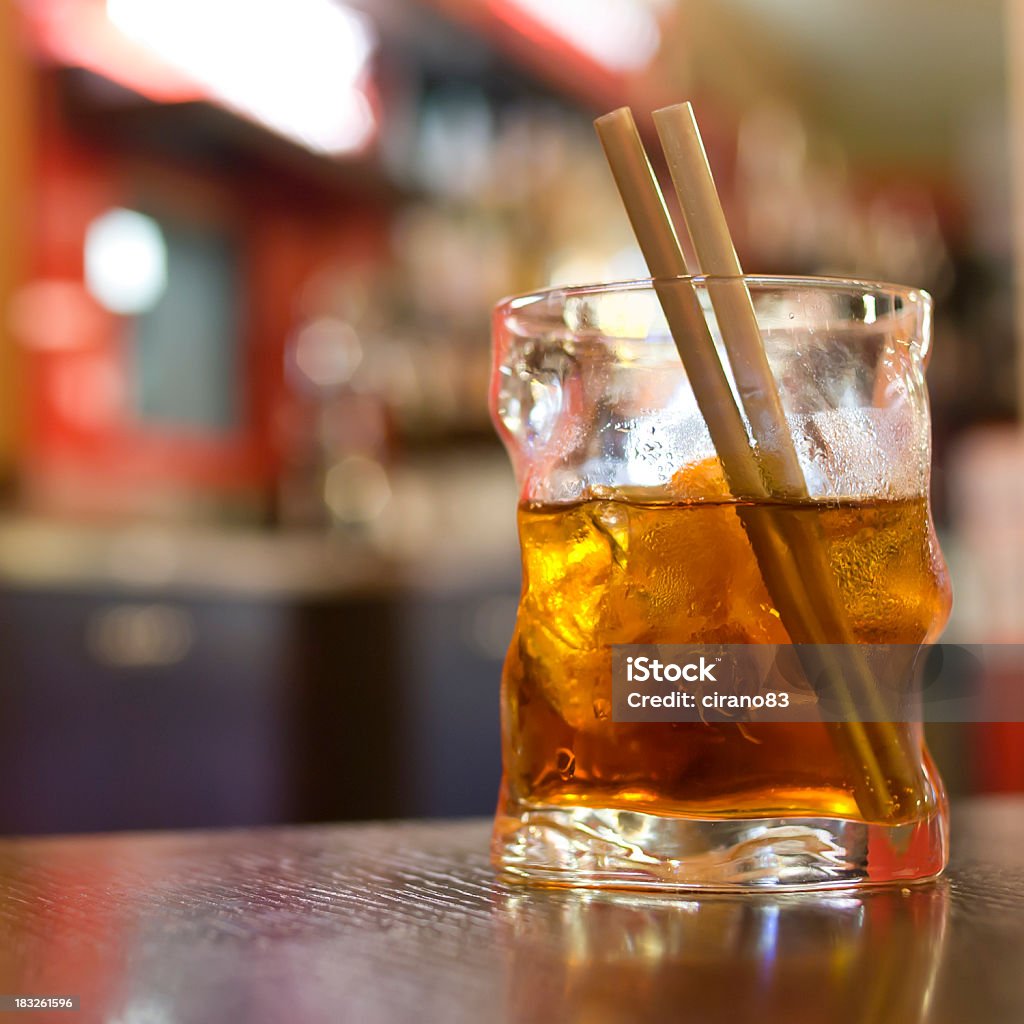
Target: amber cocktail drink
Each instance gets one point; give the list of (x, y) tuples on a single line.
[(629, 535)]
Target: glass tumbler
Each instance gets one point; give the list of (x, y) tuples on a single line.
[(630, 535)]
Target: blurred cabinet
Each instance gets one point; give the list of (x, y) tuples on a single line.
[(190, 712), (110, 721), (160, 711), (453, 646)]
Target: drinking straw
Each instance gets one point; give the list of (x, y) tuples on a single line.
[(741, 335), (793, 563), (734, 310), (645, 207)]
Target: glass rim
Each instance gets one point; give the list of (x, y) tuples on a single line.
[(913, 296)]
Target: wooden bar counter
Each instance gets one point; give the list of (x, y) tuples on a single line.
[(406, 922)]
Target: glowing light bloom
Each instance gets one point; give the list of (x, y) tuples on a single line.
[(125, 261), (327, 352), (357, 490)]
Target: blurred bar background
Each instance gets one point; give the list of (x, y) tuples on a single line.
[(257, 542)]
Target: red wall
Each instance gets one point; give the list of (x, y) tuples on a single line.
[(84, 447)]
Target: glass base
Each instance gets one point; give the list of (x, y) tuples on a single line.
[(617, 849)]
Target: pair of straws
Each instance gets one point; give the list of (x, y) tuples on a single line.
[(790, 550)]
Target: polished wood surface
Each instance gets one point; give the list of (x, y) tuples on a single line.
[(406, 922)]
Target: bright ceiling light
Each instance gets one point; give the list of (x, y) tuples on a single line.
[(125, 261), (296, 66), (622, 35)]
